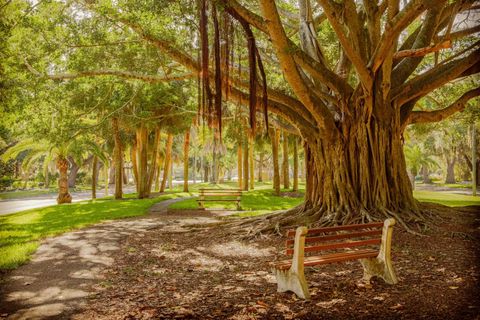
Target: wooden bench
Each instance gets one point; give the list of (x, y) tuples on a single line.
[(372, 243), (219, 195)]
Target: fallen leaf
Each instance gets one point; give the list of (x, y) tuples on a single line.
[(379, 298), (397, 306), (453, 287)]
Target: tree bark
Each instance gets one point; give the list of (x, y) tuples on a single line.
[(245, 166), (450, 178), (251, 162), (260, 166), (105, 173), (63, 194), (141, 134), (240, 165), (186, 147), (118, 159), (285, 167), (170, 176), (275, 136), (362, 176), (133, 156), (94, 176), (72, 175), (168, 160), (153, 162), (426, 175), (295, 165)]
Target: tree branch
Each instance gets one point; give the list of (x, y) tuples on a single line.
[(434, 78), (439, 115), (333, 16)]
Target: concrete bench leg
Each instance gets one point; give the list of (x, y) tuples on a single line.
[(287, 280), (381, 266), (293, 279)]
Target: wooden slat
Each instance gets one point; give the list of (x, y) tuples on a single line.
[(218, 200), (339, 245), (330, 258), (349, 235), (291, 233)]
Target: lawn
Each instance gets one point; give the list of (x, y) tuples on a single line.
[(20, 232), (17, 194), (254, 202), (447, 199)]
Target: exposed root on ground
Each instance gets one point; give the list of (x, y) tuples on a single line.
[(276, 222)]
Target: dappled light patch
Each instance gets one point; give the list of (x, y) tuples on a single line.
[(236, 248)]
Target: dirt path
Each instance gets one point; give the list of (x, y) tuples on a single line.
[(57, 280)]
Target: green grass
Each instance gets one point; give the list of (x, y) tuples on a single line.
[(254, 202), (447, 199), (20, 232)]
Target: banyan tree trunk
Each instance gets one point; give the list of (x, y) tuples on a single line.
[(240, 165), (94, 176), (167, 162), (450, 170), (358, 178), (186, 147), (245, 166), (295, 165), (285, 168), (251, 162), (118, 159), (63, 195), (275, 137)]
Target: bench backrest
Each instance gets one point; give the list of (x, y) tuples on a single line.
[(220, 192), (338, 237)]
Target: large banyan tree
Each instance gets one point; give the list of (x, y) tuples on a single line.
[(350, 105)]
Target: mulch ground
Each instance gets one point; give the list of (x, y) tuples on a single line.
[(209, 274)]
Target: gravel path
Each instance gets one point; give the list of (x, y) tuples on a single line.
[(55, 283)]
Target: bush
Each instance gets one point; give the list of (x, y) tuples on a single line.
[(6, 183)]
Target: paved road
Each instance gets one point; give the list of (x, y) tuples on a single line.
[(15, 205)]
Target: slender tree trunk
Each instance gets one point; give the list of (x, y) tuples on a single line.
[(47, 176), (275, 136), (260, 166), (426, 175), (118, 156), (167, 162), (251, 161), (170, 176), (72, 176), (63, 194), (94, 176), (240, 165), (142, 154), (111, 173), (157, 175), (105, 173), (245, 166), (133, 156), (450, 178), (194, 168), (186, 147), (295, 165), (153, 162), (285, 167)]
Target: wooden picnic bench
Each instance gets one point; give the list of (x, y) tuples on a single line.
[(219, 195), (372, 243)]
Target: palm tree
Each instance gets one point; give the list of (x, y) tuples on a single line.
[(38, 150), (416, 158)]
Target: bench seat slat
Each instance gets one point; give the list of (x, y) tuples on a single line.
[(330, 258), (339, 245), (291, 233), (290, 242)]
